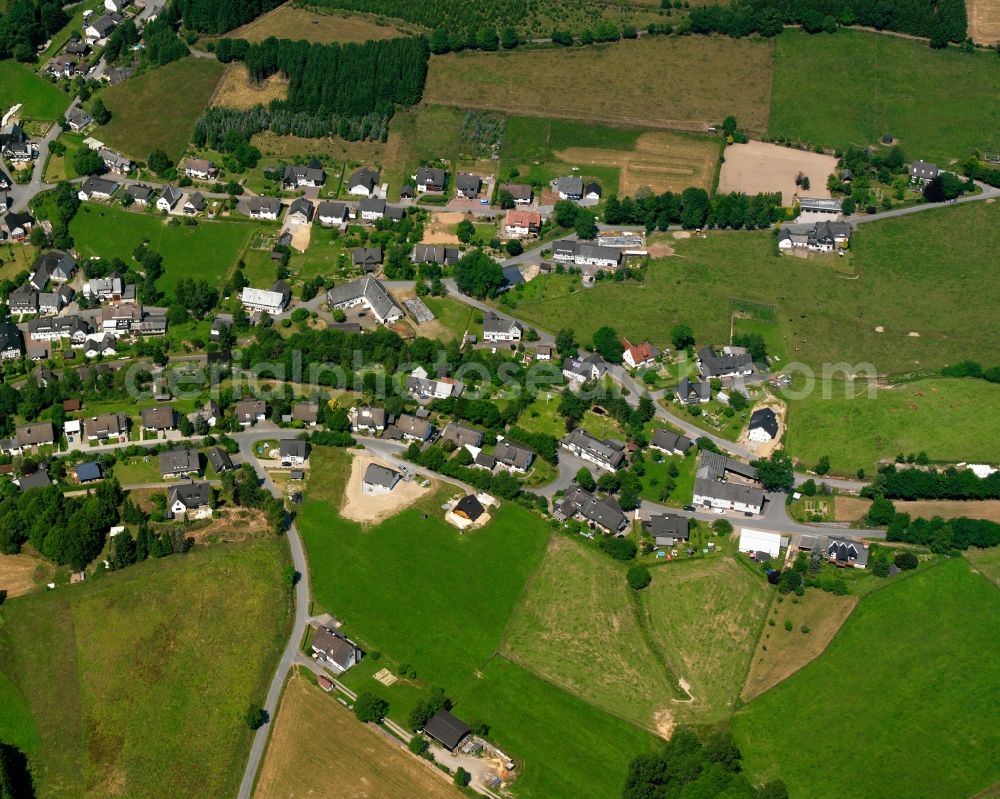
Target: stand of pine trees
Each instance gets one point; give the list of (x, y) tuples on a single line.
[(221, 16)]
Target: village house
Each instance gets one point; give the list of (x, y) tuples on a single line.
[(638, 355), (88, 472), (603, 514), (298, 175), (77, 118), (106, 426), (820, 237), (331, 214), (293, 451), (120, 318), (367, 419), (819, 209), (580, 370), (414, 429), (608, 455), (263, 207), (843, 552), (467, 185), (581, 253), (667, 529), (194, 203), (179, 462), (512, 457), (29, 436), (189, 501), (158, 418), (543, 352), (727, 484), (430, 179), (371, 209), (272, 301), (420, 385), (220, 460), (249, 412), (519, 222), (763, 426), (467, 511), (200, 168), (57, 266), (300, 211), (733, 362), (367, 258), (334, 650), (118, 164), (569, 188), (16, 146), (362, 183), (670, 443), (923, 172), (367, 292), (521, 193), (23, 299), (306, 412), (500, 328), (379, 480), (100, 28), (95, 188), (17, 225), (462, 435), (434, 254), (168, 199), (29, 482)]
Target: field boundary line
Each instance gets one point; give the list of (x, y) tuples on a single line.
[(532, 578)]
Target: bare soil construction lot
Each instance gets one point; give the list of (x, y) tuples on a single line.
[(661, 161), (440, 228), (984, 21), (318, 744), (633, 83), (289, 22), (849, 509), (238, 92), (360, 507), (757, 167)]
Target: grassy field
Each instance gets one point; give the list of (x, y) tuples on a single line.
[(576, 627), (657, 473), (451, 317), (896, 86), (290, 22), (316, 741), (823, 317), (986, 561), (137, 132), (571, 750), (639, 82), (137, 682), (236, 90), (922, 719), (208, 250), (704, 617), (40, 99), (780, 652), (941, 417)]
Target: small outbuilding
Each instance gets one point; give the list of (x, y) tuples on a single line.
[(447, 730)]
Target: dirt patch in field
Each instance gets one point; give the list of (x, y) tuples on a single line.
[(849, 509), (301, 236), (289, 22), (318, 742), (660, 250), (360, 507), (19, 574), (682, 234), (816, 617), (438, 229), (661, 161), (984, 21), (234, 526), (757, 167), (237, 91)]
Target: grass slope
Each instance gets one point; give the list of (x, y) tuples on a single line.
[(943, 418), (137, 681), (206, 251), (640, 82), (940, 104), (947, 295), (570, 750), (909, 687), (178, 93), (40, 99)]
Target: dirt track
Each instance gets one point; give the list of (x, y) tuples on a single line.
[(360, 507), (757, 167)]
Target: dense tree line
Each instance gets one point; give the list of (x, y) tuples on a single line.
[(15, 774), (974, 168), (939, 20), (162, 44), (693, 208), (27, 24), (893, 483), (464, 17), (221, 16), (972, 369), (216, 123), (343, 79), (436, 458), (941, 535), (478, 275)]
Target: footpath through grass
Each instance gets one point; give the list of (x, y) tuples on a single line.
[(908, 691), (137, 681), (939, 104)]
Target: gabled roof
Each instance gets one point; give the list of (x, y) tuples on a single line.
[(171, 194), (670, 441), (363, 177), (570, 186), (432, 253), (466, 182), (39, 479), (513, 455), (519, 191), (668, 525), (10, 337), (88, 471), (494, 323), (462, 434), (158, 418), (301, 206), (366, 256), (847, 551), (335, 647), (190, 495), (604, 512), (378, 475), (96, 185), (331, 210), (257, 205), (470, 507), (605, 451), (177, 461), (431, 175), (292, 448), (765, 418), (374, 205), (369, 289), (220, 460)]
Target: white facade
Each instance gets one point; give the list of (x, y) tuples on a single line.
[(273, 302), (759, 434), (761, 541)]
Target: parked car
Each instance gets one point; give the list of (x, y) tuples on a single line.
[(689, 508)]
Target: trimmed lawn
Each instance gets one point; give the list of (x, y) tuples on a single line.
[(924, 717), (570, 750), (986, 561), (657, 474), (156, 666), (949, 419), (40, 99), (138, 470), (704, 616), (179, 92), (948, 296), (542, 416), (899, 86), (208, 250), (455, 317), (577, 627)]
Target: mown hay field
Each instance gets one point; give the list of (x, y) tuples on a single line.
[(291, 22), (238, 92)]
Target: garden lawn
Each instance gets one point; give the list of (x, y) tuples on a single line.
[(657, 473), (949, 419), (138, 681), (542, 416), (947, 295), (705, 617), (40, 99), (432, 597), (455, 317), (569, 749), (158, 108), (919, 661), (206, 251), (939, 104)]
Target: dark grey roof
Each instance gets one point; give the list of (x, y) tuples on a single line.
[(519, 191), (257, 205), (413, 426), (88, 471), (570, 186), (292, 447), (301, 205), (604, 451), (485, 460), (512, 455), (604, 512), (171, 194), (220, 460), (582, 249), (139, 192), (330, 210), (311, 173), (363, 177), (467, 183), (665, 526), (39, 479), (191, 495), (670, 441), (847, 551), (374, 205), (379, 475), (373, 292), (95, 185), (713, 365), (462, 434), (179, 461), (715, 465), (699, 389), (370, 416), (432, 253), (765, 418), (10, 337), (494, 323), (366, 256), (431, 175), (335, 647)]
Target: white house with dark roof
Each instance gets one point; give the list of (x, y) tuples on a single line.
[(189, 501), (434, 254), (414, 428), (522, 193), (263, 207), (368, 292), (727, 484), (607, 455), (379, 480), (95, 188), (333, 650), (580, 370), (667, 529), (512, 457), (300, 211), (11, 341), (569, 188), (332, 214), (367, 419), (923, 172), (729, 364), (200, 168), (602, 513), (169, 197), (467, 185), (299, 175), (430, 179), (843, 552), (582, 253), (763, 426), (500, 328), (363, 182), (670, 443), (371, 209)]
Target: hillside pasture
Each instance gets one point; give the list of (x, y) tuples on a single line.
[(156, 665), (632, 83), (918, 659), (39, 98), (178, 92), (895, 87), (291, 22), (316, 741), (237, 91)]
